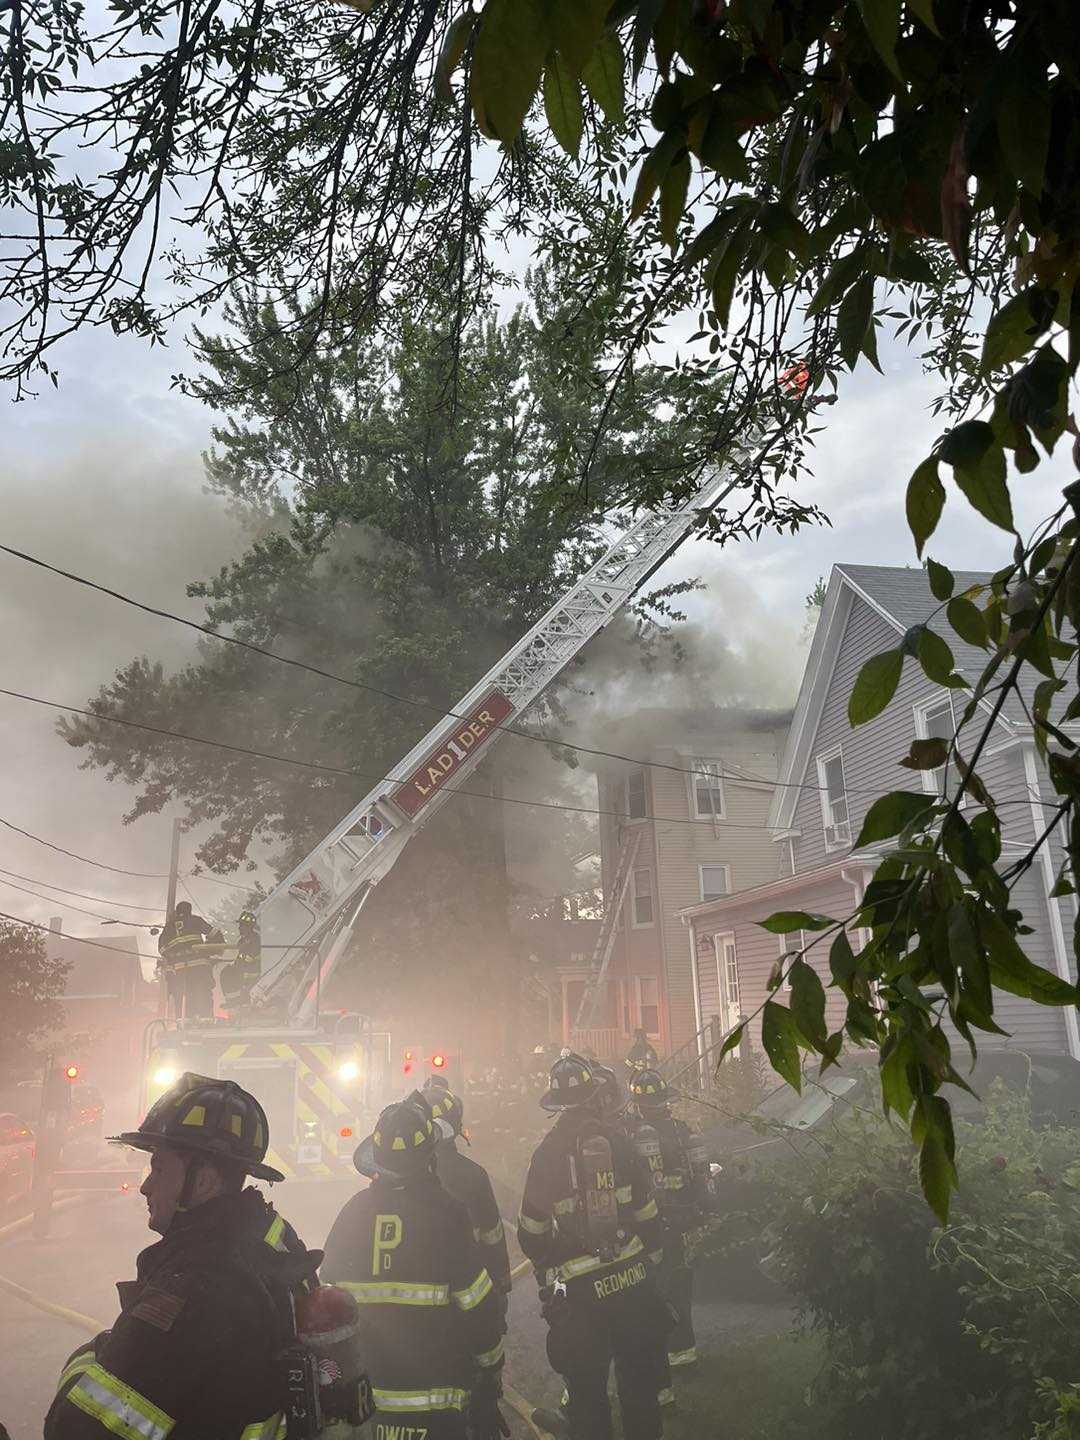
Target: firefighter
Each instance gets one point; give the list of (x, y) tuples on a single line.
[(470, 1183), (590, 1225), (680, 1172), (641, 1055), (431, 1321), (240, 974), (187, 946), (194, 1351)]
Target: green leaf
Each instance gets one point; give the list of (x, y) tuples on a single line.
[(511, 45), (967, 620), (935, 657), (454, 45), (932, 1128), (844, 273), (653, 170), (1015, 328), (733, 1041), (1011, 970), (576, 28), (928, 754), (784, 229), (842, 964), (779, 1039), (1023, 119), (925, 502), (896, 1093), (562, 104), (673, 190), (909, 266), (854, 319), (726, 275), (978, 462), (882, 21), (875, 686), (942, 580), (889, 814), (603, 76), (784, 922), (808, 1004)]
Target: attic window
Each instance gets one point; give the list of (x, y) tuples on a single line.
[(635, 795), (834, 802), (936, 720), (708, 786)]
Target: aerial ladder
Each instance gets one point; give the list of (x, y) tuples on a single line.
[(316, 1073)]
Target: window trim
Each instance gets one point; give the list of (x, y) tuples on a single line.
[(730, 1006), (702, 867), (920, 711), (650, 1034), (635, 923), (702, 760), (827, 821)]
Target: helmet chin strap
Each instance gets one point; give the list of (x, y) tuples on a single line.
[(187, 1190)]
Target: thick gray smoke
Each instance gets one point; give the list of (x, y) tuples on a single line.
[(130, 513)]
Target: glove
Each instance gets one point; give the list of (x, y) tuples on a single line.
[(486, 1420)]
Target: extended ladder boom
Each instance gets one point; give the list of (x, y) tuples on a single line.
[(306, 920)]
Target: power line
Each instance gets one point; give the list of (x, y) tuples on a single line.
[(81, 894), (95, 944), (393, 695), (358, 774), (78, 909)]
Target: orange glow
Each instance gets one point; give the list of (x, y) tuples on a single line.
[(72, 1072), (345, 1132), (438, 1062)]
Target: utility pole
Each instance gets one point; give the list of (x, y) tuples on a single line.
[(174, 869)]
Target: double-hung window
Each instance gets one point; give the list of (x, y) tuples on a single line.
[(708, 787), (935, 720), (834, 800), (643, 897), (636, 806)]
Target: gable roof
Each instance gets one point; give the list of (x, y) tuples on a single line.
[(903, 598)]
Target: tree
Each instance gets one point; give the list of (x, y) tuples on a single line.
[(407, 534), (31, 985)]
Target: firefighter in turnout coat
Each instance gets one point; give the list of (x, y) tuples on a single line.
[(675, 1157), (590, 1225), (194, 1351), (431, 1320), (469, 1182)]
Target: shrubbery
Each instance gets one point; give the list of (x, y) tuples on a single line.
[(984, 1314)]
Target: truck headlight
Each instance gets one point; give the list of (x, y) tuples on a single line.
[(166, 1075), (348, 1071)]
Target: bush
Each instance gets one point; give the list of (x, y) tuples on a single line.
[(930, 1333)]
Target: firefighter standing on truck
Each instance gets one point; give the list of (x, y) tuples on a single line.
[(431, 1322), (590, 1225), (241, 973), (676, 1157), (187, 958), (470, 1183), (194, 1351)]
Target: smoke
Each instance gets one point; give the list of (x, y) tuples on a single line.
[(127, 510)]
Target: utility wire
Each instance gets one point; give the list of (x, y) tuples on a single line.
[(80, 894), (360, 774), (95, 944), (79, 909), (399, 699)]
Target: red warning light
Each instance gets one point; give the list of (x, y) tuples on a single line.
[(72, 1072), (345, 1132), (124, 1186), (795, 378), (408, 1062), (438, 1062)]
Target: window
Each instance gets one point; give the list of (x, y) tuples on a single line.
[(635, 795), (727, 974), (715, 881), (643, 897), (708, 785), (649, 1004), (834, 805), (935, 720), (789, 946)]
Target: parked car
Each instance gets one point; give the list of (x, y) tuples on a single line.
[(16, 1159)]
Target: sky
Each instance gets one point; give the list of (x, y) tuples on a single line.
[(104, 476)]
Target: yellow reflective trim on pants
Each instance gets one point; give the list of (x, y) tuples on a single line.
[(118, 1407), (586, 1264), (271, 1429), (647, 1212), (683, 1357), (674, 1182), (533, 1227), (390, 1292), (490, 1237), (470, 1297), (491, 1357), (442, 1398)]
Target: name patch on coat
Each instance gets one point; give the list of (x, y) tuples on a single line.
[(621, 1280)]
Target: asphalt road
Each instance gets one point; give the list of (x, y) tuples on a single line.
[(94, 1244)]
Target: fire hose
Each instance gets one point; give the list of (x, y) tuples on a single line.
[(87, 1323)]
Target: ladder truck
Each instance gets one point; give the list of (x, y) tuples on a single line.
[(320, 1073)]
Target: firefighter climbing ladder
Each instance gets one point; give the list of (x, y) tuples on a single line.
[(307, 919)]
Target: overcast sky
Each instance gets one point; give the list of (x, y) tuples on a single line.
[(104, 476)]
